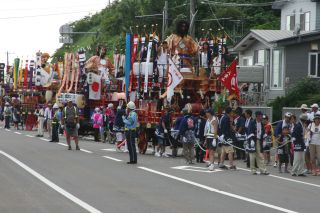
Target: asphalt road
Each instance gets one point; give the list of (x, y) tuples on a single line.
[(38, 176)]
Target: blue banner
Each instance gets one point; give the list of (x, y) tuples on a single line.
[(128, 63)]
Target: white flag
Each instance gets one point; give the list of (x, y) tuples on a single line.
[(95, 87), (174, 79)]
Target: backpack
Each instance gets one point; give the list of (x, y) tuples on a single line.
[(190, 123)]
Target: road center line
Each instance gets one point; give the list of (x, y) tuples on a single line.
[(19, 133), (219, 191), (52, 185), (111, 158), (30, 136), (44, 139), (62, 144), (87, 151), (284, 178)]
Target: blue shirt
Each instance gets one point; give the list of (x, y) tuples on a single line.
[(131, 121)]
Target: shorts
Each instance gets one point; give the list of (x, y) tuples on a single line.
[(267, 148), (283, 158), (209, 144), (160, 140), (72, 132), (314, 152), (227, 149)]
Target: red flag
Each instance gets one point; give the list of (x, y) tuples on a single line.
[(229, 78)]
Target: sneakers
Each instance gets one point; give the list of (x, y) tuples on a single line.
[(264, 173), (77, 148), (211, 167), (69, 148), (125, 150), (165, 155), (275, 164), (157, 154)]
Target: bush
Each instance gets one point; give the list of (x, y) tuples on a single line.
[(304, 92)]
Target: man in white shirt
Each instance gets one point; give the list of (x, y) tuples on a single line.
[(40, 114), (314, 110), (48, 117)]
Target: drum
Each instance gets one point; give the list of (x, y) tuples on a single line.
[(142, 68)]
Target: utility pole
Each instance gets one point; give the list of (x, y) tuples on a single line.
[(192, 17), (165, 20)]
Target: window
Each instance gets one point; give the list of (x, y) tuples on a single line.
[(258, 57), (305, 21), (247, 61), (314, 65), (290, 23), (277, 71)]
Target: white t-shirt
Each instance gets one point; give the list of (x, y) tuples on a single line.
[(315, 134), (259, 130), (209, 128)]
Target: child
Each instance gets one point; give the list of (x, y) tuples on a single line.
[(284, 144)]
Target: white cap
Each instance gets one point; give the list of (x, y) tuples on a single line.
[(131, 105), (97, 109), (304, 106), (288, 114), (55, 106), (110, 105), (314, 105)]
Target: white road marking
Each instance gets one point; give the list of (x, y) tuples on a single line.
[(30, 136), (284, 178), (219, 191), (110, 150), (44, 139), (19, 133), (87, 151), (62, 144), (196, 169), (8, 130), (60, 190), (115, 159)]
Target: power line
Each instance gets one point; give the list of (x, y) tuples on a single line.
[(233, 4), (45, 8), (42, 15)]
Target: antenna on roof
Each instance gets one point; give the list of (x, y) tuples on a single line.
[(297, 30)]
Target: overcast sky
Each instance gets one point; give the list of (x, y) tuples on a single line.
[(23, 35)]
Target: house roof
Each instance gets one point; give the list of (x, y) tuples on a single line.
[(267, 37), (272, 35), (303, 37), (278, 4)]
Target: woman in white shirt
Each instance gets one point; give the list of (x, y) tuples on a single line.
[(314, 146)]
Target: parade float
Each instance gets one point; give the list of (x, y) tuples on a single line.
[(177, 72), (155, 73)]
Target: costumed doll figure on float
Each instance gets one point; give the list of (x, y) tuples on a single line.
[(46, 70), (99, 69), (100, 64), (182, 46)]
